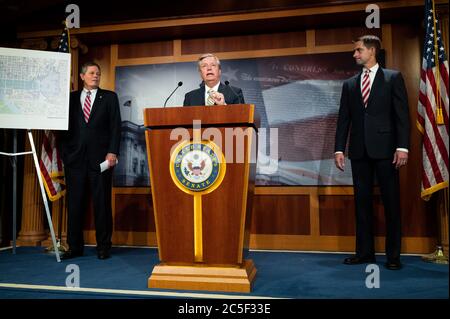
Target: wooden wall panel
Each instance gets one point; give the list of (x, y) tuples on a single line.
[(244, 43), (337, 216), (89, 217), (134, 212), (343, 35), (281, 214), (148, 49)]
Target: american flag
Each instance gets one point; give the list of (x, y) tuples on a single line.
[(51, 166), (63, 45), (50, 163), (432, 119)]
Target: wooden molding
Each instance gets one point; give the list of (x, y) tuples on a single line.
[(410, 245), (310, 39), (228, 18), (34, 44), (198, 277), (177, 47), (239, 54), (265, 190), (112, 67), (387, 43)]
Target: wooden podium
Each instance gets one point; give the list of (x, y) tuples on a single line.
[(202, 181)]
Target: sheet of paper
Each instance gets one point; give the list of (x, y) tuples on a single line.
[(104, 165)]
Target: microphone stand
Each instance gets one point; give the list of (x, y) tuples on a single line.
[(227, 83), (179, 84)]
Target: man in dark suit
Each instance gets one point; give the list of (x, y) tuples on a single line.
[(212, 91), (374, 108), (93, 138)]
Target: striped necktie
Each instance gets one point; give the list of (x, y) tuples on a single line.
[(210, 100), (366, 87), (87, 106)]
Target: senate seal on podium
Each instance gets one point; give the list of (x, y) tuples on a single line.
[(197, 167)]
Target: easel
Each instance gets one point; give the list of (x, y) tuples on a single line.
[(44, 197)]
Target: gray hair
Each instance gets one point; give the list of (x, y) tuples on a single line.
[(85, 66), (208, 55)]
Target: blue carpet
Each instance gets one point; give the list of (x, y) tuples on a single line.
[(280, 274)]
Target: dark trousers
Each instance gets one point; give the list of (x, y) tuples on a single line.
[(99, 186), (363, 171)]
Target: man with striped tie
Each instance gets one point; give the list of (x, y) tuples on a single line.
[(374, 108), (212, 91), (93, 137)]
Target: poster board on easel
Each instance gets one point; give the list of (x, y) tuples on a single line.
[(34, 94)]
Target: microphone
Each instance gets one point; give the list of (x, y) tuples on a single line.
[(179, 84), (227, 83)]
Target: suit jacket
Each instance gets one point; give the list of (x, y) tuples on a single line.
[(197, 97), (381, 127), (93, 140)]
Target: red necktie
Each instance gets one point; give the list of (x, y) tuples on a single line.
[(366, 87), (87, 106)]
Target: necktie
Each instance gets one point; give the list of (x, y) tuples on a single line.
[(366, 87), (87, 106), (210, 100)]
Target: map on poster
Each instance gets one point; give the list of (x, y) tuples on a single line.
[(34, 89)]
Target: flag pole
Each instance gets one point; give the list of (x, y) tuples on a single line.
[(61, 248), (439, 256), (439, 115)]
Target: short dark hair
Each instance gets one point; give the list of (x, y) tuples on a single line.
[(371, 41), (85, 66)]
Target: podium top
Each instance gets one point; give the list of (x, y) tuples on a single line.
[(219, 115)]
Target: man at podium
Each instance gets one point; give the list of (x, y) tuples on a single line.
[(212, 91)]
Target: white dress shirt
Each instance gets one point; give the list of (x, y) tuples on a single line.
[(84, 94)]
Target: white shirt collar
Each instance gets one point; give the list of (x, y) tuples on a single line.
[(84, 94), (373, 70), (93, 91), (215, 87)]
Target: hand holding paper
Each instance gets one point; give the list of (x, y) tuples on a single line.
[(110, 161), (105, 165)]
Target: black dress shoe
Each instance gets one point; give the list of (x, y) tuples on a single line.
[(103, 254), (71, 254), (357, 260), (393, 265)]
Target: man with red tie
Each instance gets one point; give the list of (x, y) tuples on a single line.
[(93, 138), (374, 109)]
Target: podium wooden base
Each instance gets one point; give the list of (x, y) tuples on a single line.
[(230, 279)]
